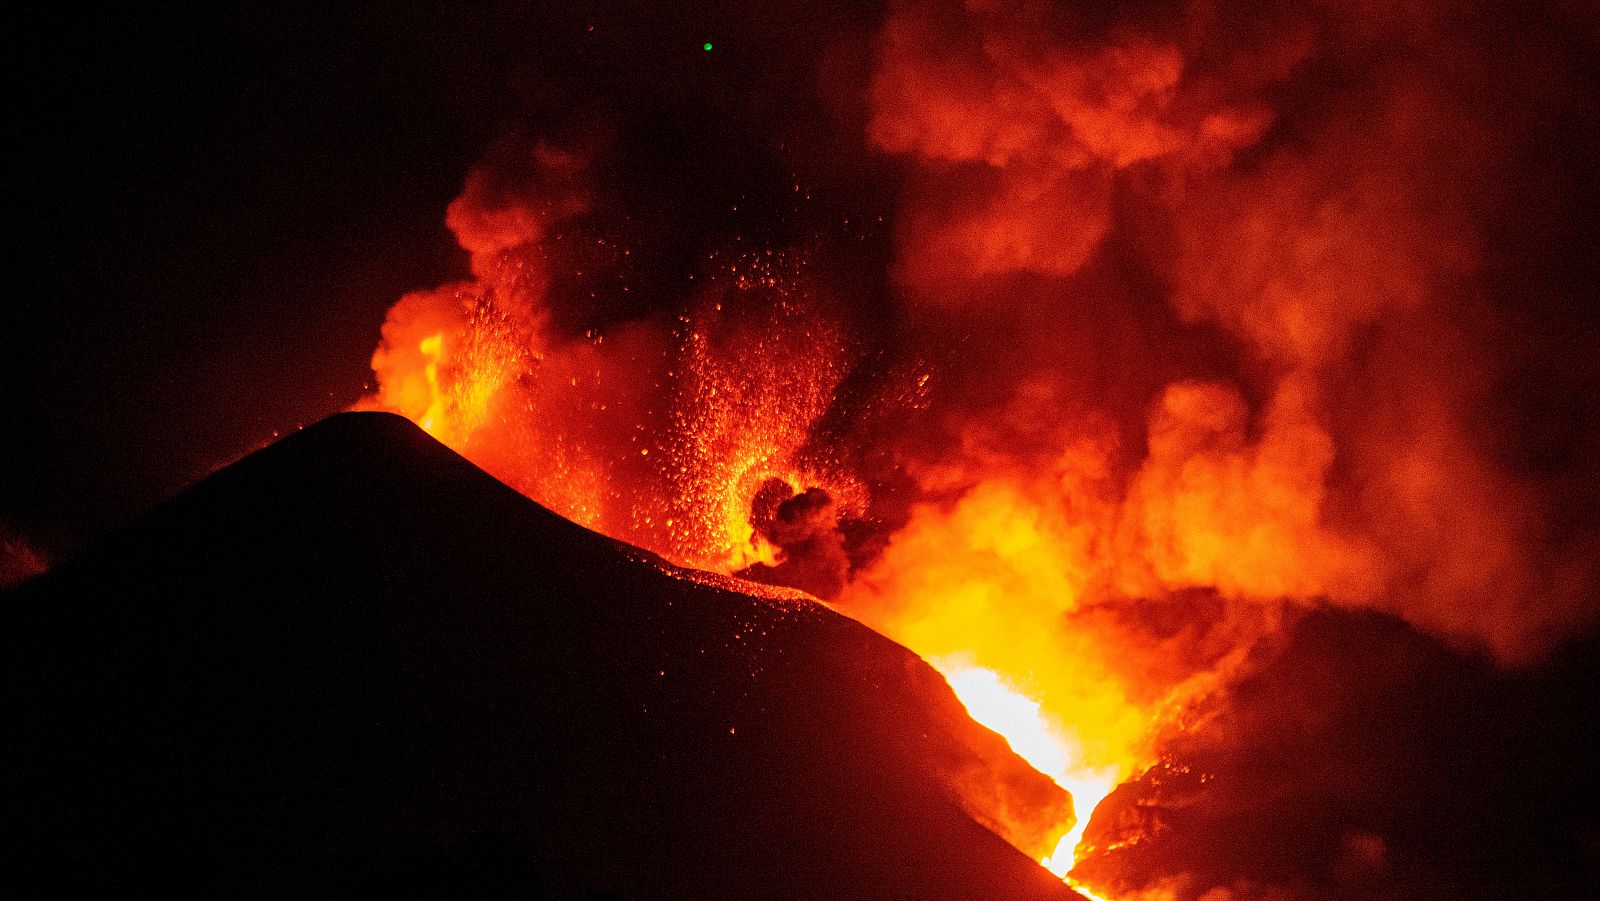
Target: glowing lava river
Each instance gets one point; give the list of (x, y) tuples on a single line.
[(1019, 719)]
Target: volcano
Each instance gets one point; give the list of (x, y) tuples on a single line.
[(353, 661)]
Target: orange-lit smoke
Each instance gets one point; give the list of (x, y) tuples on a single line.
[(1333, 237)]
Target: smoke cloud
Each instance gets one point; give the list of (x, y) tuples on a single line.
[(1318, 184)]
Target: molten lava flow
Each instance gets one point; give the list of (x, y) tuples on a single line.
[(1049, 748)]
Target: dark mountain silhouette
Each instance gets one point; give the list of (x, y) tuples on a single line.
[(355, 662)]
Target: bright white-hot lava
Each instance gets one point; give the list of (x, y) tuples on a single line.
[(1047, 748)]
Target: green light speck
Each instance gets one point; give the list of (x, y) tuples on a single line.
[(707, 45)]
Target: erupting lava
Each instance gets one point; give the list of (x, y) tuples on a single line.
[(1035, 739), (730, 478), (1176, 345)]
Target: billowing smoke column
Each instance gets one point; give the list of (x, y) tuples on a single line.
[(1201, 317), (1333, 239)]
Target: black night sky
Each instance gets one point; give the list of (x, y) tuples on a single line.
[(215, 205)]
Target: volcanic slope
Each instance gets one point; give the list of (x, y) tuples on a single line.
[(354, 662)]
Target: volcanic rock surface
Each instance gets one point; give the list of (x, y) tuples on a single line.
[(353, 661)]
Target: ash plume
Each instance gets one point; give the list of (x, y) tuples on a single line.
[(804, 527), (1319, 189)]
